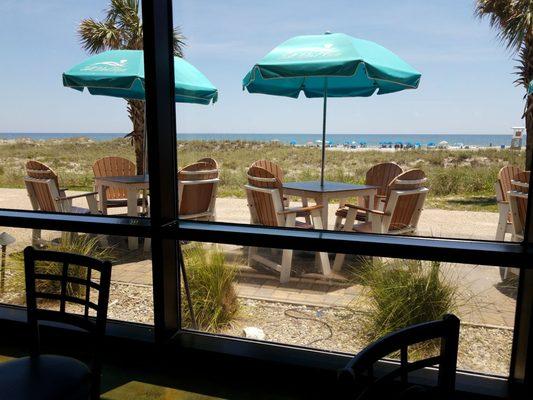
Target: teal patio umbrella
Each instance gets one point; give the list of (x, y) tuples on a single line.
[(330, 65), (120, 73)]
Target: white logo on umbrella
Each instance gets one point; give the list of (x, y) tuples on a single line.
[(107, 66), (327, 50)]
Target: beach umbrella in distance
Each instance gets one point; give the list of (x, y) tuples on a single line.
[(120, 73), (330, 65)]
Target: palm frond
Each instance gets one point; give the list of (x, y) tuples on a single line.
[(179, 42), (512, 19), (98, 36)]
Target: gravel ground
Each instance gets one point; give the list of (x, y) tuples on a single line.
[(481, 349)]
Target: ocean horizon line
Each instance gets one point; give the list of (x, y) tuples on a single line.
[(78, 134)]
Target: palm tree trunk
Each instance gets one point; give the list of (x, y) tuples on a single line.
[(529, 132), (136, 114), (526, 70)]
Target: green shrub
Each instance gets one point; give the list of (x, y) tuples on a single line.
[(403, 293), (211, 285)]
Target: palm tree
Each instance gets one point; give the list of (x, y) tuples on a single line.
[(121, 29), (514, 20)]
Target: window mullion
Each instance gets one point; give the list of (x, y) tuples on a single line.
[(162, 159)]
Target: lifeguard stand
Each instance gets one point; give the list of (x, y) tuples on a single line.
[(516, 141)]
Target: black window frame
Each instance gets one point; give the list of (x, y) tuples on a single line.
[(164, 229)]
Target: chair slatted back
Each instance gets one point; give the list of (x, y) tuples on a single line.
[(271, 167), (381, 175), (407, 191), (265, 197), (518, 198), (197, 187), (43, 194), (358, 378), (505, 176), (38, 170), (211, 162), (114, 166)]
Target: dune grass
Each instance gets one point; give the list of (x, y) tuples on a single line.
[(459, 179)]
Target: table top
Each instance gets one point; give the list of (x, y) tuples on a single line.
[(329, 187), (133, 179)]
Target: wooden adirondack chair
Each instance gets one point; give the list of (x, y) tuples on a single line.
[(117, 166), (211, 162), (197, 190), (38, 170), (380, 175), (517, 200), (517, 196), (502, 187), (264, 192), (401, 211), (44, 196), (277, 171)]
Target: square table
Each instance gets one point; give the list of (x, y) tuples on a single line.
[(132, 184), (330, 190)]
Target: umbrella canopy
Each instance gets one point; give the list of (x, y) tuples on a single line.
[(120, 73), (530, 88), (330, 65), (353, 68)]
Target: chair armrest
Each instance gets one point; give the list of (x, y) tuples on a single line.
[(300, 209), (76, 196), (377, 212)]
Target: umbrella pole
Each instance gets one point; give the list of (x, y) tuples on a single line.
[(324, 132), (145, 146)]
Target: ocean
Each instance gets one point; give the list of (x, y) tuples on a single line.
[(371, 140)]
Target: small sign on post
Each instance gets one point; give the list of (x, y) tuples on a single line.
[(516, 141)]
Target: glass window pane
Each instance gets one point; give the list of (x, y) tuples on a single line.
[(460, 153), (57, 141), (238, 291), (131, 297)]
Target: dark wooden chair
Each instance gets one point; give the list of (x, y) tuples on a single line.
[(358, 379), (45, 376)]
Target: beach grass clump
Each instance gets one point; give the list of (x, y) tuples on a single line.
[(213, 295), (403, 293), (76, 244)]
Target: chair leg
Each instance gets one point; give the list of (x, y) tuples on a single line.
[(286, 262), (36, 237), (147, 244), (324, 259), (338, 223), (252, 251), (502, 227), (348, 227)]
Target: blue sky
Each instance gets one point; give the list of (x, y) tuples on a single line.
[(467, 83)]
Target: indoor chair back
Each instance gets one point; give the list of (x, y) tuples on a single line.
[(359, 379), (79, 287)]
